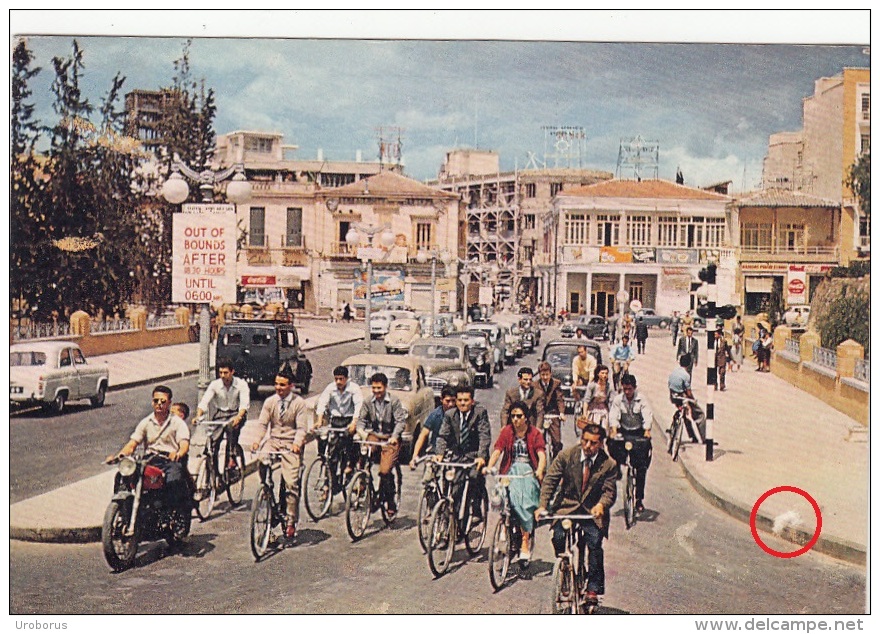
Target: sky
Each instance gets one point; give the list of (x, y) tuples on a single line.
[(708, 87)]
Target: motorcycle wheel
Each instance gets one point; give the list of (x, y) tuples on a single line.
[(119, 550), (180, 522)]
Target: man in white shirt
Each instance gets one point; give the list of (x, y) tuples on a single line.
[(228, 397), (338, 404)]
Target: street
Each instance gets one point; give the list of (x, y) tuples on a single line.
[(683, 556)]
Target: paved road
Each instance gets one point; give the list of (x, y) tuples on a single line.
[(684, 557)]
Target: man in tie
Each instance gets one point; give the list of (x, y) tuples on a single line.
[(688, 345), (466, 433), (526, 393), (587, 478), (552, 401), (283, 419)]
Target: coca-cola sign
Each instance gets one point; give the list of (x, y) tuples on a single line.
[(258, 280)]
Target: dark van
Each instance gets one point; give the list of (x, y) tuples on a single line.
[(260, 348)]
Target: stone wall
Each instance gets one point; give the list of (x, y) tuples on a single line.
[(138, 338)]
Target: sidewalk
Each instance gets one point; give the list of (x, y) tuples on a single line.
[(75, 513), (769, 434)]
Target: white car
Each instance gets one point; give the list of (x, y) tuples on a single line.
[(50, 373), (797, 316), (380, 324)]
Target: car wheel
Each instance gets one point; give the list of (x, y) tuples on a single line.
[(663, 323), (56, 407), (98, 399)]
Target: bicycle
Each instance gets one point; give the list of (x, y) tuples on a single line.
[(428, 497), (569, 573), (628, 474), (680, 418), (211, 478), (268, 510), (507, 536), (621, 369), (363, 497), (325, 476), (548, 438), (453, 516)]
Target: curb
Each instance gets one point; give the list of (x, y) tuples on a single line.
[(832, 546)]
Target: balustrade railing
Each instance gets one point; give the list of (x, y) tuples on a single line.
[(793, 346), (111, 325), (27, 332), (825, 357), (161, 321), (863, 370)]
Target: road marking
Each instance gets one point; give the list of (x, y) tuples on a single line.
[(683, 535)]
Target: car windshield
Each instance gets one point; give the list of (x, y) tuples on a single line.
[(398, 378), (27, 358), (402, 327), (560, 357), (435, 351)]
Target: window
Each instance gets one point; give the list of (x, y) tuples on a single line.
[(609, 230), (78, 358), (714, 232), (636, 291), (669, 232), (287, 338), (756, 236), (866, 107), (424, 235), (576, 228), (528, 221), (259, 144), (257, 237), (864, 231), (638, 231), (293, 237), (65, 358), (531, 190), (555, 188), (865, 143), (793, 235)]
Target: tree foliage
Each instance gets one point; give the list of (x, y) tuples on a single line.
[(859, 182), (846, 316)]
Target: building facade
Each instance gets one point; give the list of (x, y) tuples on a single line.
[(649, 238)]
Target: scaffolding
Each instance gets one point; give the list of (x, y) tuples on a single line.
[(640, 155), (390, 145)]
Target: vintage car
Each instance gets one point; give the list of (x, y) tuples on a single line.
[(797, 316), (402, 334), (259, 347), (531, 332), (568, 329), (480, 354), (496, 337), (593, 326), (51, 373), (652, 319), (517, 337), (446, 362), (380, 324), (509, 345), (440, 330), (560, 354)]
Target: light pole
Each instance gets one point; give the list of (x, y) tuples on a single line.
[(355, 238), (445, 257), (176, 191)]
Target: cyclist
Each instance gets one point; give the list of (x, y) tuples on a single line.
[(582, 366), (597, 398), (467, 434), (283, 418), (621, 356), (526, 393), (679, 384), (631, 416), (338, 404), (553, 401), (228, 396), (431, 429), (587, 477), (383, 418)]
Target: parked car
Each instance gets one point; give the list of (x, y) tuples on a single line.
[(796, 316), (480, 354), (380, 324), (560, 353), (51, 373), (652, 319), (406, 381), (594, 326), (259, 348), (531, 333), (446, 361), (402, 334), (496, 337)]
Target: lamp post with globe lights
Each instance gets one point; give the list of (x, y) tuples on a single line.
[(175, 190), (362, 237), (446, 257)]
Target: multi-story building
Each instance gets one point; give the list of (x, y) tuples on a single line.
[(649, 238), (817, 159), (144, 111), (501, 217), (784, 240)]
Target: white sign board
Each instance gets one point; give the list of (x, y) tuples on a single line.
[(203, 255), (635, 305), (622, 296), (486, 295)]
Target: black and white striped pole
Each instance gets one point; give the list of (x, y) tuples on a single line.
[(709, 313)]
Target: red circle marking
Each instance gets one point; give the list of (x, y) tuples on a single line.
[(753, 522)]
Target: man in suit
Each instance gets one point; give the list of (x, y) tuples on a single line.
[(552, 401), (528, 394), (688, 345), (587, 477), (467, 434), (283, 418), (641, 334), (383, 418)]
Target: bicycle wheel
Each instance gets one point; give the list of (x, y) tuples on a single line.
[(442, 541), (235, 477), (357, 505), (629, 503), (318, 491), (397, 476), (548, 443), (475, 531), (564, 593), (427, 500), (499, 555), (261, 522), (206, 492), (676, 439), (673, 429)]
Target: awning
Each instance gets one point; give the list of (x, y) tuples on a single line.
[(759, 284)]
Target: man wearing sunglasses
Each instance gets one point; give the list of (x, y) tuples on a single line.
[(167, 435)]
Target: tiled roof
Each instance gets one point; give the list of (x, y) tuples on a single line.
[(653, 188), (783, 198), (388, 184)]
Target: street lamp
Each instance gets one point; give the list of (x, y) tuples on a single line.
[(446, 257), (176, 191), (367, 252)]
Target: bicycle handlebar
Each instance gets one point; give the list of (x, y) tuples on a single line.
[(550, 518), (373, 443), (457, 465)]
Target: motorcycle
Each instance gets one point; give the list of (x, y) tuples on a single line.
[(141, 511)]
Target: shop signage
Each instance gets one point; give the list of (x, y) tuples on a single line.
[(258, 280), (615, 255), (388, 286), (797, 284), (677, 256), (644, 254)]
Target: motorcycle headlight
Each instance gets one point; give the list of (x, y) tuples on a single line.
[(481, 360), (449, 475), (323, 432), (628, 445), (453, 381), (566, 524), (127, 466)]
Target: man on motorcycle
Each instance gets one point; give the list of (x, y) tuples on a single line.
[(229, 396), (168, 435)]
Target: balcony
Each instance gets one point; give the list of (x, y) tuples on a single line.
[(784, 253), (864, 243)]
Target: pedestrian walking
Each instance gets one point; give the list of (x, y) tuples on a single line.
[(687, 345), (676, 323), (765, 347), (736, 350), (346, 312), (722, 356), (641, 335), (612, 330)]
